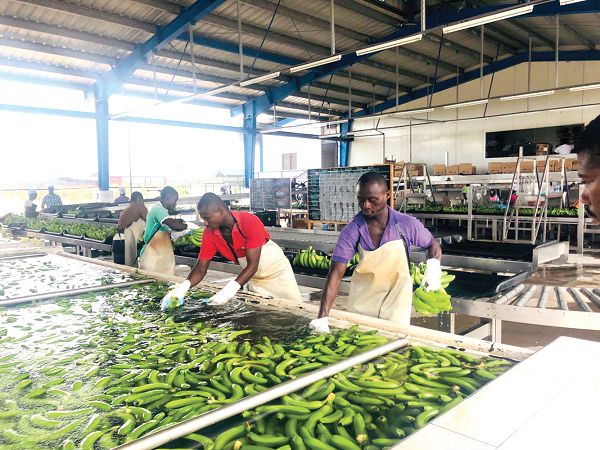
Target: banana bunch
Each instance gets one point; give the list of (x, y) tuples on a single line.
[(429, 303), (194, 238), (417, 273), (310, 259)]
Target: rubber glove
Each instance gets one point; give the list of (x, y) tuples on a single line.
[(320, 325), (174, 297), (225, 294), (433, 275)]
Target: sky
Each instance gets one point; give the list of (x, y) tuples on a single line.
[(39, 148)]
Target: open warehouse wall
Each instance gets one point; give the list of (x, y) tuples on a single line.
[(464, 139)]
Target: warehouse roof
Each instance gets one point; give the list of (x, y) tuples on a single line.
[(73, 43)]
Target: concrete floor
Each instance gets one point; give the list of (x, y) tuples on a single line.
[(579, 271)]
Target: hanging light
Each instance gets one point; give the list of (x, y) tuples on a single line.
[(514, 12)]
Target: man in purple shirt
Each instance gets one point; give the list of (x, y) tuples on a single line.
[(381, 285)]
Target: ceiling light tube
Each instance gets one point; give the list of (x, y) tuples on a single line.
[(266, 77), (465, 104), (318, 63), (568, 2), (528, 95), (586, 87), (489, 19), (414, 111), (389, 44)]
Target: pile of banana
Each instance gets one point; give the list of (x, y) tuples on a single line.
[(429, 303), (194, 238), (310, 259)]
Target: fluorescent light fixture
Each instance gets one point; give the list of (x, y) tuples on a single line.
[(488, 19), (330, 136), (334, 122), (414, 111), (586, 87), (465, 104), (568, 2), (266, 77), (528, 95), (389, 44), (318, 63)]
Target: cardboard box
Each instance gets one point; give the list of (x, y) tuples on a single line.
[(452, 170), (541, 149), (569, 163), (527, 166), (555, 165), (415, 170), (541, 163), (300, 223), (495, 167), (466, 169), (439, 169), (509, 167), (575, 166)]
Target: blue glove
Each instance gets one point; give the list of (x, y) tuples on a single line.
[(175, 297)]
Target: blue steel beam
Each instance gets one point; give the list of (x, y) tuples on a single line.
[(344, 158), (163, 36), (576, 55), (249, 143)]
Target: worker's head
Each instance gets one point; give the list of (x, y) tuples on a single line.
[(51, 189), (372, 193), (136, 197), (588, 155), (122, 191), (169, 197), (212, 210), (32, 193)]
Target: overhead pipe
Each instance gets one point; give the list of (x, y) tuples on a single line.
[(182, 429), (70, 293)]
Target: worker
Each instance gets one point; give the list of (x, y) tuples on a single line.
[(241, 238), (157, 254), (494, 196), (381, 285), (513, 198), (51, 200), (30, 207), (588, 156), (122, 198), (132, 223), (465, 192)]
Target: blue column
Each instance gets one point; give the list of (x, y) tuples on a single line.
[(249, 142), (344, 156), (101, 100), (261, 149)]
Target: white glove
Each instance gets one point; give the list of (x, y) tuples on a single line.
[(320, 325), (433, 275), (225, 294), (174, 297)]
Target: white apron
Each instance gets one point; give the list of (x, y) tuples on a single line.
[(274, 275), (381, 285), (158, 255), (132, 235)]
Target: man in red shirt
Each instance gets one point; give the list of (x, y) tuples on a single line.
[(241, 238)]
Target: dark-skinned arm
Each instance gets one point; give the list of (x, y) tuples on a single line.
[(175, 224), (435, 250), (334, 277), (252, 259), (198, 272)]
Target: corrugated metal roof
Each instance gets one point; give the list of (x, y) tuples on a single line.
[(88, 36)]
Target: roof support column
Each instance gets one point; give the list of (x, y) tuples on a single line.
[(249, 142), (344, 156), (101, 103)]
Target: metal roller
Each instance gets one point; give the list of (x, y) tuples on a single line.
[(576, 294), (543, 300), (509, 295), (561, 296), (522, 301), (593, 297)]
